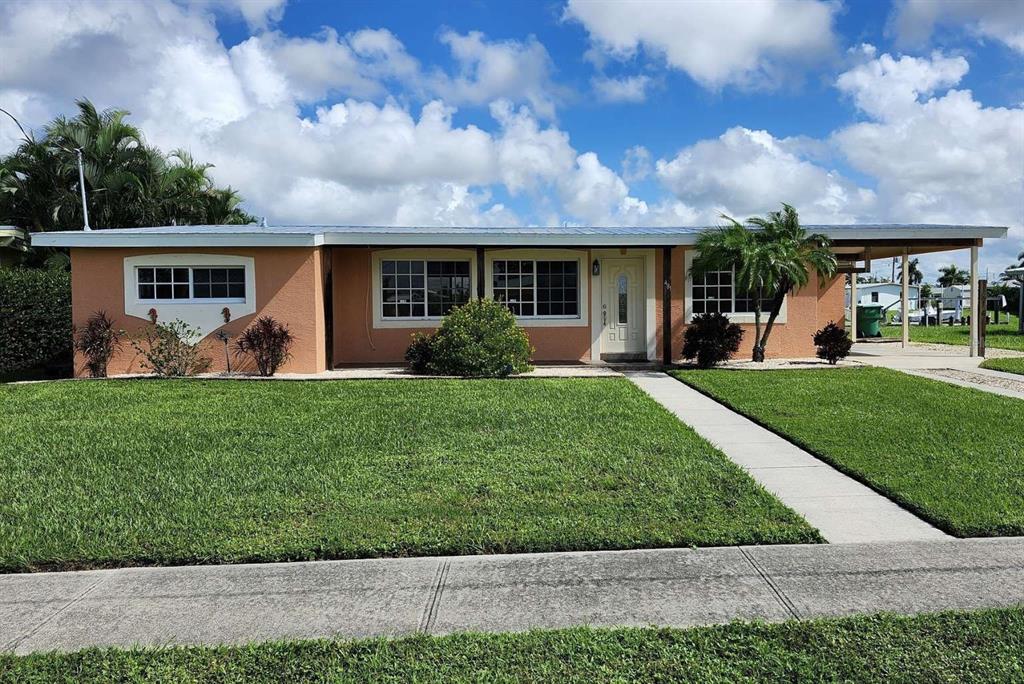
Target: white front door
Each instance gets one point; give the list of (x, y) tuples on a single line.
[(622, 307)]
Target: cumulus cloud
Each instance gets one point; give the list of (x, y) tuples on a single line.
[(746, 42), (745, 172), (629, 89), (360, 156), (492, 70), (636, 164), (913, 21), (936, 158)]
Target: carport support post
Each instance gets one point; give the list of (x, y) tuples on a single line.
[(974, 301), (853, 306), (1020, 305), (666, 306), (905, 298)]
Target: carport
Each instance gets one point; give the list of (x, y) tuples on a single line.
[(903, 241)]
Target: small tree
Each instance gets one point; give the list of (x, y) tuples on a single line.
[(833, 343), (267, 342), (172, 349), (97, 340), (711, 339), (770, 257)]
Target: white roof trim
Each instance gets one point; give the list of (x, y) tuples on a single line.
[(314, 236)]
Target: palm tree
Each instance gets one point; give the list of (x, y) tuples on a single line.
[(1006, 277), (770, 257), (952, 275), (128, 183), (915, 275)]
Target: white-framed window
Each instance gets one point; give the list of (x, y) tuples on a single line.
[(538, 288), (422, 288), (181, 284), (715, 291)]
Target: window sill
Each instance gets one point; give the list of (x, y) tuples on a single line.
[(175, 302)]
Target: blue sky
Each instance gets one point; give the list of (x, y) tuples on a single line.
[(491, 113)]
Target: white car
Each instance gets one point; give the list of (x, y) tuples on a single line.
[(915, 317)]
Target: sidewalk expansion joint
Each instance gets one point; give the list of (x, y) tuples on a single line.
[(429, 616), (35, 630), (783, 600)]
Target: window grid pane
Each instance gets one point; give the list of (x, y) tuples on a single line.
[(537, 288), (218, 283), (712, 293), (418, 288), (160, 282)]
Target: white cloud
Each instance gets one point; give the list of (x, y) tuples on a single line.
[(636, 164), (257, 14), (745, 172), (913, 21), (944, 159), (890, 87), (629, 89), (492, 70), (744, 42)]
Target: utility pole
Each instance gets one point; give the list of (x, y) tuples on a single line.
[(81, 184)]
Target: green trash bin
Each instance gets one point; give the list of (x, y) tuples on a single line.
[(869, 320)]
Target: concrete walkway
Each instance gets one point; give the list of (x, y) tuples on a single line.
[(672, 587), (843, 510)]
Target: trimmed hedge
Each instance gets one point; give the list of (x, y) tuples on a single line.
[(35, 319)]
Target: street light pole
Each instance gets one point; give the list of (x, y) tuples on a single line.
[(81, 184)]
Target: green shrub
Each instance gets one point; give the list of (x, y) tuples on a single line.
[(711, 339), (97, 340), (832, 342), (171, 349), (35, 319), (267, 342), (479, 339), (419, 353)]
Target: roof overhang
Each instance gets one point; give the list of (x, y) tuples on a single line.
[(851, 239)]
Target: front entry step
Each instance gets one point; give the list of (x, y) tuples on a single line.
[(624, 358)]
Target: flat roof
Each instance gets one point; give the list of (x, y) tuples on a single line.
[(589, 236)]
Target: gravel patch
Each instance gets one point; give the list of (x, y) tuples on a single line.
[(979, 379)]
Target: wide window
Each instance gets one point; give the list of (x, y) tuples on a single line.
[(537, 288), (177, 283), (714, 292), (418, 288)]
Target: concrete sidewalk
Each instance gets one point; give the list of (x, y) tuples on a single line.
[(842, 509), (672, 587)]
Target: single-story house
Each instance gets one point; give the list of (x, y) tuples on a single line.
[(888, 295), (352, 295)]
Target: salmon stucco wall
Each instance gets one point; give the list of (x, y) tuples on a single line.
[(289, 287), (357, 342), (808, 310)]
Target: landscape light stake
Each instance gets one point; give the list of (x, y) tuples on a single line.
[(224, 337)]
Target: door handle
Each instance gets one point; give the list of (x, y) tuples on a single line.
[(604, 317)]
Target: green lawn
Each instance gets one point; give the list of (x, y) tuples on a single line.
[(943, 647), (950, 453), (115, 473), (1014, 365), (1002, 336)]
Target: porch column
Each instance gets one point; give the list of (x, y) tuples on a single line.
[(853, 306), (666, 306), (480, 287), (905, 298), (974, 300)]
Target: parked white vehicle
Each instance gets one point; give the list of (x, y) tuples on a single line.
[(916, 316)]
